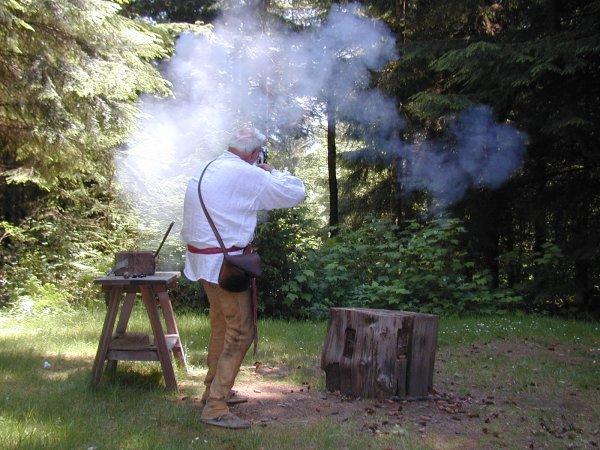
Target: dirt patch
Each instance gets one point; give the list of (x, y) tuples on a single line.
[(273, 402), (545, 415), (440, 418), (289, 403), (526, 348)]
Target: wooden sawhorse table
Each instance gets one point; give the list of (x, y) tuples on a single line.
[(122, 346)]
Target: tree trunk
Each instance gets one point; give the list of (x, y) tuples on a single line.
[(397, 165), (493, 213), (513, 271), (332, 167), (492, 256), (554, 15), (581, 241), (400, 8), (539, 221), (263, 5), (379, 353), (396, 200), (582, 280), (558, 222), (539, 230)]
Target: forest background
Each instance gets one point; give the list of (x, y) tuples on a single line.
[(71, 74)]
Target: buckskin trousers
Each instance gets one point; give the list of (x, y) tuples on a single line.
[(231, 333)]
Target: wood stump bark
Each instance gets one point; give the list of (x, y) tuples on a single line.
[(376, 353)]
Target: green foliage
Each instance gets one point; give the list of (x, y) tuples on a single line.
[(63, 250), (70, 72), (36, 297), (539, 284), (282, 242), (189, 295), (536, 64), (380, 265), (180, 11), (283, 238), (425, 105)]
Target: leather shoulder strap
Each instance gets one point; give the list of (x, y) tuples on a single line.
[(210, 221)]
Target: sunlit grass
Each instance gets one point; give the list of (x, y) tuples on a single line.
[(55, 408)]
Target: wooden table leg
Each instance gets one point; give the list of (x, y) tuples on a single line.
[(111, 366), (167, 310), (159, 338), (106, 336)]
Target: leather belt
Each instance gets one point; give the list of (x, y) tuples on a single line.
[(211, 250)]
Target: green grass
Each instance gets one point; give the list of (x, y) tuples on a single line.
[(55, 408)]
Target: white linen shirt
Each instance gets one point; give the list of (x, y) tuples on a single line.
[(233, 192)]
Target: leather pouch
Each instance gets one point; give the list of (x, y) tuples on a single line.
[(238, 270)]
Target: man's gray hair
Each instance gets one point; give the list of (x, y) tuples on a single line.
[(247, 139)]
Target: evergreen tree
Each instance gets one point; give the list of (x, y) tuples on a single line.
[(70, 71), (536, 64), (166, 11)]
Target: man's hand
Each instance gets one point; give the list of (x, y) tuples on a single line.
[(266, 167)]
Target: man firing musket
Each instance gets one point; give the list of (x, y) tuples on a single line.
[(220, 214)]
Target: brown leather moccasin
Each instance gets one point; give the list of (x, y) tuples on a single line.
[(229, 420), (234, 398)]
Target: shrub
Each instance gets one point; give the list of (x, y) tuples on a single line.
[(380, 265), (282, 241), (59, 250), (34, 297)]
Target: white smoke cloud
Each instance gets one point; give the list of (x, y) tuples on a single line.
[(475, 152), (478, 153), (245, 73)]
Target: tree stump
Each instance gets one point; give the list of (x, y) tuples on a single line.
[(376, 353)]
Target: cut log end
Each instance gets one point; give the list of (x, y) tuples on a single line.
[(373, 353)]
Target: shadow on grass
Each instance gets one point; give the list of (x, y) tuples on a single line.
[(27, 365), (127, 377), (56, 407)]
